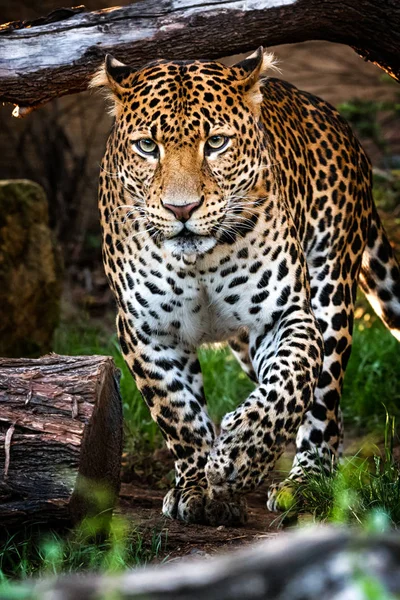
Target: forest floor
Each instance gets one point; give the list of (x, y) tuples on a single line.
[(145, 485), (141, 506)]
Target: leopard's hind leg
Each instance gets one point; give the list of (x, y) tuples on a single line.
[(319, 438), (318, 441)]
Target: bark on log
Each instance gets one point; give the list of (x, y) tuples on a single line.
[(307, 565), (43, 59), (60, 438)]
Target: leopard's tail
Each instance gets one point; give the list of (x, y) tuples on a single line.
[(380, 276)]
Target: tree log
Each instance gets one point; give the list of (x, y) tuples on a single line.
[(60, 438), (43, 59), (307, 565)]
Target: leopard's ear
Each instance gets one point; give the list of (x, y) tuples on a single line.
[(114, 76), (251, 70), (255, 66)]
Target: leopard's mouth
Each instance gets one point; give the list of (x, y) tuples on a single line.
[(186, 233), (188, 243)]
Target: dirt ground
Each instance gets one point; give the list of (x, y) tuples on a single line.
[(145, 484), (141, 505)]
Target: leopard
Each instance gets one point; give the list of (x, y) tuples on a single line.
[(237, 209)]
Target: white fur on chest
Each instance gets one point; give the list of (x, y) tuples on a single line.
[(202, 315), (201, 302), (191, 308)]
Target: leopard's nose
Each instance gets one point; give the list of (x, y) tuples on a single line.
[(182, 212)]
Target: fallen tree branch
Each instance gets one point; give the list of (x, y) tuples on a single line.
[(45, 59)]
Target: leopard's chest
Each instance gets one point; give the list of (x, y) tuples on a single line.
[(194, 312), (196, 304)]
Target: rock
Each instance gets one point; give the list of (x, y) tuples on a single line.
[(30, 271)]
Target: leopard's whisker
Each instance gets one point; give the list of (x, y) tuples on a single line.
[(109, 173), (135, 235)]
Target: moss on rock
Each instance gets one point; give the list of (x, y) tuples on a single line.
[(30, 271)]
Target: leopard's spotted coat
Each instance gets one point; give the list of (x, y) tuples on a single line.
[(281, 227)]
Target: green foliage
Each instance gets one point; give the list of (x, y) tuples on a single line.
[(363, 117), (370, 588), (225, 383), (386, 190), (30, 552), (372, 376), (361, 490)]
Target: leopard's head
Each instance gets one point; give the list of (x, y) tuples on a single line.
[(188, 147)]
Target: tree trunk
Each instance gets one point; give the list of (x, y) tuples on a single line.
[(313, 564), (50, 57), (60, 438)]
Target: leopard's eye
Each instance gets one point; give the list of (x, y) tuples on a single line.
[(216, 142), (147, 147)]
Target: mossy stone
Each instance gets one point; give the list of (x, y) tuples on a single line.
[(30, 271)]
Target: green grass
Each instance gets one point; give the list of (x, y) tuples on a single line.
[(364, 491), (372, 380), (225, 383), (29, 552)]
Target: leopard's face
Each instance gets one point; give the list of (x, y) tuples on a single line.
[(189, 151)]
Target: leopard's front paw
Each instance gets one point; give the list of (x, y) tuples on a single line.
[(239, 459), (197, 505), (223, 511), (185, 504), (282, 496)]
